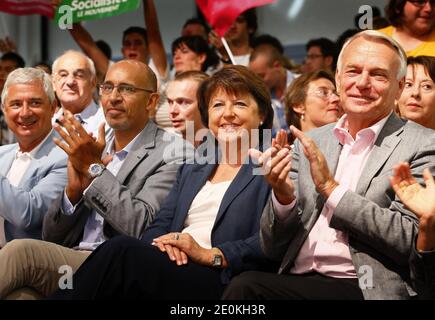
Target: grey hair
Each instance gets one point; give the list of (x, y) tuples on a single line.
[(376, 35), (89, 61), (27, 76)]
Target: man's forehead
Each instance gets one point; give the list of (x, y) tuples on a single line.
[(72, 62)]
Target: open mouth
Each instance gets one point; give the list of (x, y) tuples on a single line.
[(27, 124)]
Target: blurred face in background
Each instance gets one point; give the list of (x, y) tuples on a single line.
[(185, 59), (419, 17), (6, 67), (417, 102), (134, 47)]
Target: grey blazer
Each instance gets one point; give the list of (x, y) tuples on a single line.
[(24, 206), (380, 229), (129, 201)]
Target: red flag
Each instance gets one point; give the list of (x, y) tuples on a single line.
[(25, 7), (221, 14)]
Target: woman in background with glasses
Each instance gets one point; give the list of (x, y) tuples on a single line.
[(412, 25), (311, 101)]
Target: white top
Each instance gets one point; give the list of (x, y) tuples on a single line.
[(242, 60), (203, 211)]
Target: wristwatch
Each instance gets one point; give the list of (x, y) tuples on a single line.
[(217, 259), (95, 170)]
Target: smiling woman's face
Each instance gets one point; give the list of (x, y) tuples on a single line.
[(232, 116)]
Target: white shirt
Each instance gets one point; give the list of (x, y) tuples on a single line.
[(91, 118), (203, 211)]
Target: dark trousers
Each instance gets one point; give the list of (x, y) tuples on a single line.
[(126, 268), (254, 285)]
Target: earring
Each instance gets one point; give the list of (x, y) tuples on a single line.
[(261, 123), (302, 117)]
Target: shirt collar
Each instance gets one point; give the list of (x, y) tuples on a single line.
[(341, 131), (83, 116), (33, 152), (124, 152)]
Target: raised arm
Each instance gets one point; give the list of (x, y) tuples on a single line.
[(155, 42), (85, 41)]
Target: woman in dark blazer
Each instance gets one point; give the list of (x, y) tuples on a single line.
[(207, 231)]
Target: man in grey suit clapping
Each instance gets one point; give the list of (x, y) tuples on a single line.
[(343, 234), (113, 189)]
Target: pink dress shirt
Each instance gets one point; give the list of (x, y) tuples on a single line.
[(326, 250)]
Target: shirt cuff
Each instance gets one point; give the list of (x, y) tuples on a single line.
[(335, 198), (282, 211), (67, 207)]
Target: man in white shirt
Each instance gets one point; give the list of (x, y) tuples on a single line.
[(33, 170), (74, 80)]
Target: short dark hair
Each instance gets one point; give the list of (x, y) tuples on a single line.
[(105, 48), (138, 30), (267, 39), (251, 19), (196, 21), (327, 47), (427, 62), (394, 11), (200, 46), (15, 57), (236, 79), (296, 94)]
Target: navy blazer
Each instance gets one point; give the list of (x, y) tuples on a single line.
[(236, 228)]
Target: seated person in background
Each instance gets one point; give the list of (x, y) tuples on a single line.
[(412, 26), (74, 80), (112, 189), (312, 101), (417, 102), (268, 63), (195, 27), (207, 229), (33, 170), (181, 95), (343, 234), (422, 202), (321, 54)]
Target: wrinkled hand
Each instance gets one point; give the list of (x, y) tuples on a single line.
[(322, 178), (276, 165), (417, 198), (82, 149), (420, 200), (179, 250)]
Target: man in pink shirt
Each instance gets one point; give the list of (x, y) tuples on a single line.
[(343, 234)]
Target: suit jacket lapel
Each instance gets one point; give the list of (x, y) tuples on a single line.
[(242, 179), (194, 182), (385, 144), (140, 149), (35, 164), (7, 161)]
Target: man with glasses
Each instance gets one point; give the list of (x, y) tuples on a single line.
[(114, 188), (74, 80), (320, 55)]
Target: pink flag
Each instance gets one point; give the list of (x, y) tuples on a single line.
[(25, 7), (221, 14)]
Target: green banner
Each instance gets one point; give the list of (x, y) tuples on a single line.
[(79, 10)]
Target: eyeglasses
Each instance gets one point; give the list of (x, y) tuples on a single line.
[(324, 93), (422, 3), (123, 89), (314, 56)]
